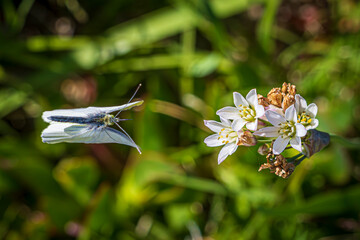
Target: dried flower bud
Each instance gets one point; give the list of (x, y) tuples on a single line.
[(288, 101), (278, 165), (288, 89), (264, 149), (282, 97), (263, 100), (315, 141), (247, 139), (275, 97)]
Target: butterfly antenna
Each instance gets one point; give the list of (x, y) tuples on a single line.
[(137, 89), (137, 147)]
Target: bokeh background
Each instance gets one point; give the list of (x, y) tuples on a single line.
[(190, 56)]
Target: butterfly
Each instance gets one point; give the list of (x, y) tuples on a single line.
[(88, 125)]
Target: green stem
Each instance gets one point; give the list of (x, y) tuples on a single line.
[(264, 141), (348, 143), (297, 162), (292, 159)]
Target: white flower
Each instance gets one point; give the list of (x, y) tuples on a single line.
[(246, 111), (225, 135), (285, 129), (306, 113)]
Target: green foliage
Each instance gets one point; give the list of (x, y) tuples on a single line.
[(190, 56)]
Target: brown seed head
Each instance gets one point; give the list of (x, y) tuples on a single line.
[(282, 97), (275, 97), (288, 101), (288, 89), (278, 165), (263, 100)]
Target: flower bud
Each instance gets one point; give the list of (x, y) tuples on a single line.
[(264, 149), (247, 139), (315, 141)]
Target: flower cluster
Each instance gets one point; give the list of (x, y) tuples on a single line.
[(282, 120)]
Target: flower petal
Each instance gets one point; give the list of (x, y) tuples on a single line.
[(238, 124), (251, 97), (296, 143), (213, 141), (280, 144), (290, 114), (228, 113), (225, 122), (260, 111), (300, 130), (252, 125), (239, 100), (214, 125), (312, 110), (267, 132), (227, 150), (275, 109), (313, 125), (234, 147), (274, 118), (300, 103)]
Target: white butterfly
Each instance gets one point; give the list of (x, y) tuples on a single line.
[(87, 125)]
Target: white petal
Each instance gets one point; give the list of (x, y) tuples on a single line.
[(239, 100), (300, 104), (234, 148), (228, 113), (227, 150), (313, 125), (290, 114), (213, 141), (280, 144), (225, 122), (252, 125), (267, 132), (300, 130), (275, 109), (251, 97), (238, 124), (312, 110), (214, 125), (274, 118), (260, 111), (296, 143)]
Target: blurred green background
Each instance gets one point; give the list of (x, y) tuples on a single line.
[(190, 56)]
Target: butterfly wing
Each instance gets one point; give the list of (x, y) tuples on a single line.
[(110, 135), (77, 112), (124, 107), (66, 132), (86, 112), (84, 133)]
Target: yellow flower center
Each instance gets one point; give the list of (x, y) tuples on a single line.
[(304, 119), (246, 113), (287, 129), (227, 135)]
